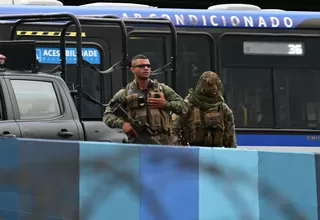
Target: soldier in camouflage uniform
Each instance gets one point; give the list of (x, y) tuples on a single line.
[(209, 121), (147, 101)]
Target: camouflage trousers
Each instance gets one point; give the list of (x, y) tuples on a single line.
[(164, 139), (172, 140), (159, 139)]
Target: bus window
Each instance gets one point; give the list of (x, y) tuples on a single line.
[(153, 48), (194, 57), (297, 98), (248, 92)]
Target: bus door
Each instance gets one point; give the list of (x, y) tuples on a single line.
[(155, 48), (111, 39), (99, 34), (272, 81), (95, 34), (195, 54), (48, 55), (159, 45)]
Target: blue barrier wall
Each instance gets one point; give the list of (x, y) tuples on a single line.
[(36, 170), (94, 181)]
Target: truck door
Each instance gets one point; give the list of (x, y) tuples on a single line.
[(8, 126), (43, 110)]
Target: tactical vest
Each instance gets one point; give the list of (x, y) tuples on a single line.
[(205, 128), (158, 119)]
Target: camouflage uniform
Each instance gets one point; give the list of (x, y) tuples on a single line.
[(159, 119), (209, 121)]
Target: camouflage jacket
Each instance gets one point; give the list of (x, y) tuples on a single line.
[(229, 135), (174, 104)]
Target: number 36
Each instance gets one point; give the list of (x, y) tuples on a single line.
[(295, 49)]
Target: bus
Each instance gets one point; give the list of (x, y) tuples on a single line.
[(267, 60)]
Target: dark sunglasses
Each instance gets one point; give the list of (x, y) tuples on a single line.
[(143, 65)]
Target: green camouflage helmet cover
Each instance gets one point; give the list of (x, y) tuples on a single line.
[(206, 82)]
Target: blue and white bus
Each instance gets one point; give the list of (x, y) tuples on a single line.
[(268, 61)]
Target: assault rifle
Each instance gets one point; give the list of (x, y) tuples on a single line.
[(144, 134)]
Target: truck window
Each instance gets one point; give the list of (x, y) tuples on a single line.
[(36, 99)]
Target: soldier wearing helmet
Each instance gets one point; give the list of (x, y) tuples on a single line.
[(209, 121)]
